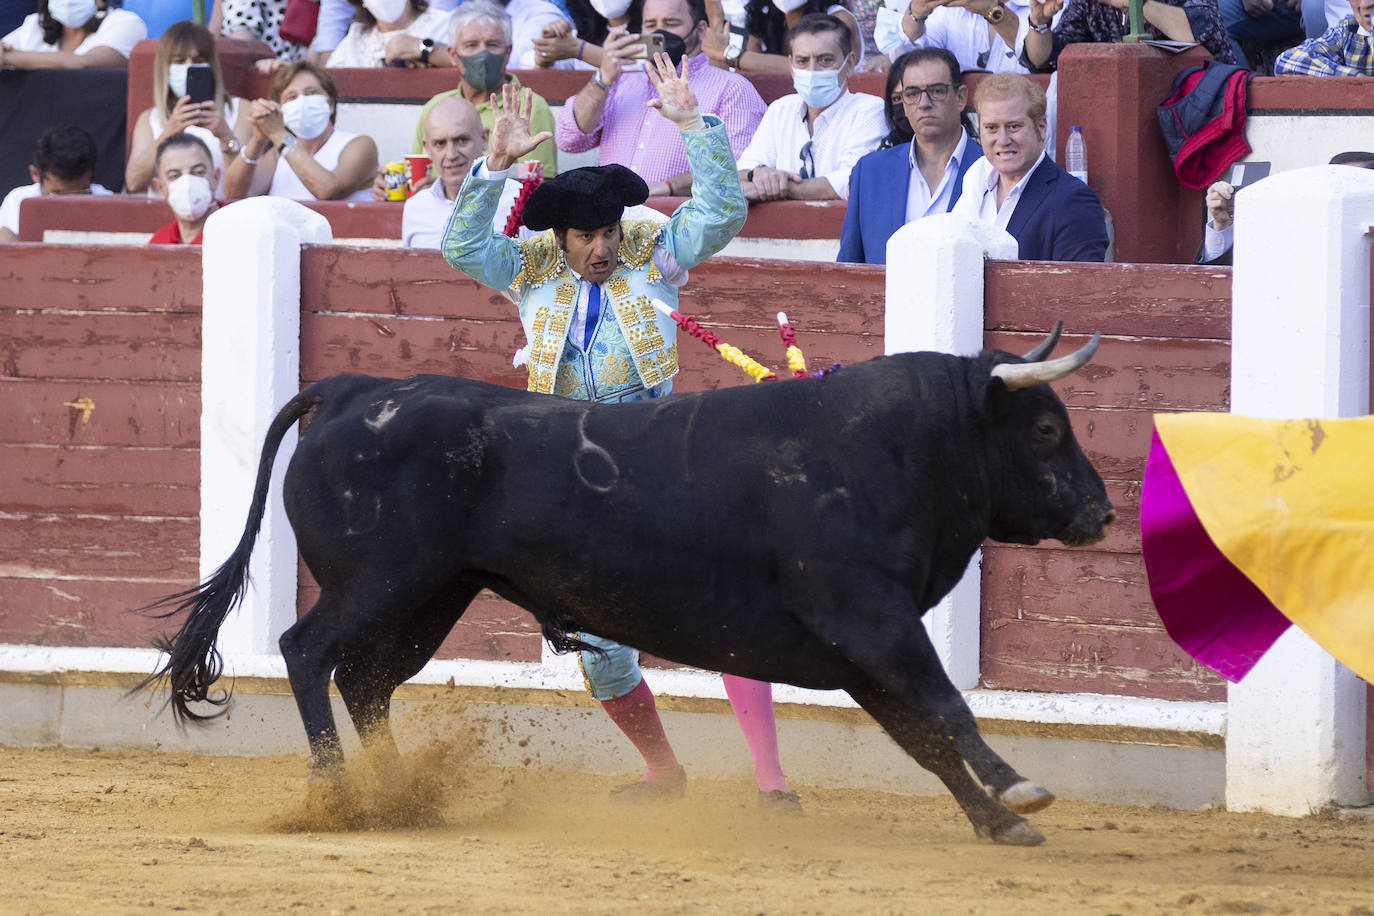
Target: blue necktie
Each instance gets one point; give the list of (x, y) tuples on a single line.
[(593, 315)]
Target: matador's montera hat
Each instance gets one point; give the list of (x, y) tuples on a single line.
[(586, 198)]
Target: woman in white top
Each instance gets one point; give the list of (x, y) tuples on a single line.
[(222, 122), (295, 150), (394, 32), (72, 35)]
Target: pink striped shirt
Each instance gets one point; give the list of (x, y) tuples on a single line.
[(641, 139)]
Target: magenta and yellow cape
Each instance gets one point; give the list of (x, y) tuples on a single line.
[(1249, 525)]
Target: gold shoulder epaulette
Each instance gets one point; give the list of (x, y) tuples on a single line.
[(540, 260), (637, 240)]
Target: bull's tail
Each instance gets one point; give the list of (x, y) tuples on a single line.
[(193, 663)]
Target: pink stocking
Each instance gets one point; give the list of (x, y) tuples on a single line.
[(753, 705), (637, 716)]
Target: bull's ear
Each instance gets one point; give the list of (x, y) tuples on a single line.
[(989, 393)]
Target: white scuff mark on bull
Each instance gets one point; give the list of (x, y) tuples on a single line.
[(590, 458), (836, 497), (382, 416), (781, 476)]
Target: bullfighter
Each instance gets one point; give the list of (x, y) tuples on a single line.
[(584, 291)]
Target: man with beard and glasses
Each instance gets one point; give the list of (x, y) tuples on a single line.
[(481, 32), (611, 110), (584, 287), (902, 183)]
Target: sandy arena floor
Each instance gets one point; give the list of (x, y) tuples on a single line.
[(115, 831)]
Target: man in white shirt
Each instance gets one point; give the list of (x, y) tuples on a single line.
[(981, 34), (892, 187), (1052, 215), (454, 138), (807, 142), (63, 162)]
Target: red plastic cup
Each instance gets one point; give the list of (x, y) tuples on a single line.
[(419, 168)]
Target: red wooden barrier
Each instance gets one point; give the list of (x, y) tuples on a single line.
[(99, 437), (100, 433)]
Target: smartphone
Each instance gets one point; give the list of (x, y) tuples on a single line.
[(646, 47), (1247, 173), (200, 82), (1242, 174)]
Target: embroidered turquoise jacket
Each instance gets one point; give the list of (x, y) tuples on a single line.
[(634, 344)]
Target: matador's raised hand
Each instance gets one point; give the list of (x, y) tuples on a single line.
[(676, 101), (510, 133)]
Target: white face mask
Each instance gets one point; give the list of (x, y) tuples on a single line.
[(818, 88), (72, 13), (306, 116), (788, 6), (611, 9), (386, 10), (189, 197), (176, 79)]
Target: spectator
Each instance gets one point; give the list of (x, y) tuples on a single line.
[(1343, 50), (453, 138), (295, 150), (221, 123), (186, 177), (611, 111), (72, 35), (1217, 233), (1017, 187), (481, 42), (260, 20), (1270, 21), (807, 143), (898, 127), (576, 44), (159, 15), (386, 32), (894, 186), (63, 163), (768, 23), (1102, 21), (981, 34)]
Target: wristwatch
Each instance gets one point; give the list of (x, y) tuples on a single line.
[(426, 48), (599, 82), (1042, 28), (287, 142), (231, 146), (995, 14), (732, 56)]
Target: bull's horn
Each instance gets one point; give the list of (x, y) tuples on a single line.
[(1023, 375), (1046, 346)]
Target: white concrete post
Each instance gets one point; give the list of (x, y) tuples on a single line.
[(250, 367), (1300, 348), (934, 301)]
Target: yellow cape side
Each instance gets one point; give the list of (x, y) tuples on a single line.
[(1291, 504)]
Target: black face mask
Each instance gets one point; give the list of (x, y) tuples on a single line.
[(674, 47)]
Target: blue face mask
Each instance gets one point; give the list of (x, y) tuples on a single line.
[(818, 88)]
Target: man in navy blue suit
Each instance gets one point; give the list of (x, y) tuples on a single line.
[(891, 187), (1017, 187)]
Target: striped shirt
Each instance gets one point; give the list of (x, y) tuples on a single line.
[(639, 138), (1340, 51)]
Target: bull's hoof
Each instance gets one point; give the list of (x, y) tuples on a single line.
[(1018, 834), (1026, 797)]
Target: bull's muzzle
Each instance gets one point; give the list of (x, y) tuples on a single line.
[(1089, 527)]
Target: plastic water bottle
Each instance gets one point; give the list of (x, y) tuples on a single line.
[(1076, 155)]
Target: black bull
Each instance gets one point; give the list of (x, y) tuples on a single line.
[(791, 532)]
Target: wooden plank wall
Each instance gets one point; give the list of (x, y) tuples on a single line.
[(98, 511), (1080, 619), (99, 438)]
